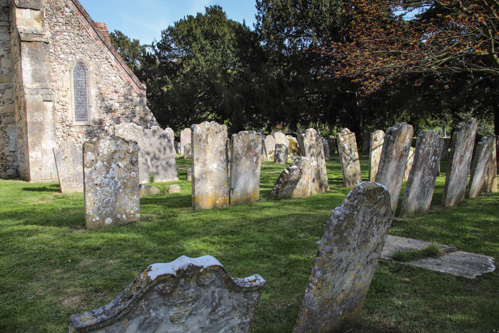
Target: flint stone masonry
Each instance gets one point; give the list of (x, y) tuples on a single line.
[(185, 138), (349, 157), (69, 163), (484, 168), (348, 254), (394, 159), (294, 181), (245, 168), (186, 295), (210, 184), (375, 149), (269, 147), (281, 154), (311, 148), (423, 175), (111, 180), (458, 168)]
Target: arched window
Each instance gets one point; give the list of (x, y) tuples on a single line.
[(80, 90)]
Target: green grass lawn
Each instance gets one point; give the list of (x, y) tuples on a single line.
[(51, 267)]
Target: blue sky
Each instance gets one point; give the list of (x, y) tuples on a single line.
[(145, 19)]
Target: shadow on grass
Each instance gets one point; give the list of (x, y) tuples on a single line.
[(49, 188)]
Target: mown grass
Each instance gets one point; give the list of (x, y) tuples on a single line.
[(51, 267)]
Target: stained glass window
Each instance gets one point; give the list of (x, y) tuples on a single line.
[(80, 87)]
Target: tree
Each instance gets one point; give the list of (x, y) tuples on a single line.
[(130, 50)]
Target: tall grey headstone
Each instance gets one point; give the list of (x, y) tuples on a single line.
[(394, 159), (375, 149), (484, 168), (461, 152), (245, 167), (280, 154), (185, 295), (423, 175), (69, 163), (311, 148), (349, 156), (111, 182), (294, 181), (210, 183), (348, 254), (185, 138)]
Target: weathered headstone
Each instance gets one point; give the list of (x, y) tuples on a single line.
[(458, 168), (177, 147), (189, 175), (294, 181), (375, 149), (280, 154), (187, 151), (270, 147), (175, 188), (423, 175), (294, 148), (185, 295), (332, 145), (281, 138), (146, 190), (185, 138), (245, 168), (210, 185), (394, 159), (111, 181), (69, 163), (325, 145), (348, 254), (484, 168), (311, 148), (349, 157), (410, 162)]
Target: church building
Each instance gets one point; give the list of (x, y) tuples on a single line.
[(61, 79)]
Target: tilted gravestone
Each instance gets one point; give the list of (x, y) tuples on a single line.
[(349, 157), (484, 168), (280, 154), (269, 147), (111, 181), (185, 138), (69, 164), (423, 175), (210, 182), (348, 254), (410, 162), (311, 148), (461, 152), (375, 149), (185, 295), (294, 181), (245, 167), (394, 159)]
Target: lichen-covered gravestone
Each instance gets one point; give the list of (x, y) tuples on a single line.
[(280, 154), (269, 147), (484, 168), (185, 138), (294, 148), (294, 181), (311, 148), (461, 152), (210, 182), (348, 254), (245, 167), (185, 295), (394, 159), (69, 164), (111, 180), (349, 157), (423, 175), (375, 149)]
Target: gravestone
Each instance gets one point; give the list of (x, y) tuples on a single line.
[(375, 149), (325, 145), (280, 154), (111, 182), (461, 152), (185, 138), (332, 145), (394, 159), (147, 190), (348, 254), (210, 184), (177, 147), (189, 175), (245, 168), (311, 148), (294, 181), (410, 162), (423, 175), (349, 157), (269, 147), (69, 164), (187, 151), (281, 138), (484, 168), (175, 188), (185, 295), (294, 148)]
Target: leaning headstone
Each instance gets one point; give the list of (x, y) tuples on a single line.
[(348, 254), (394, 159), (294, 181), (375, 149), (349, 156), (280, 154), (187, 151), (423, 175), (210, 185), (461, 152), (185, 138), (245, 168), (294, 148), (111, 180), (270, 147), (484, 168), (185, 295), (69, 164), (410, 162), (311, 148)]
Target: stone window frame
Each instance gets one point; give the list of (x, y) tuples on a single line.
[(90, 97)]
